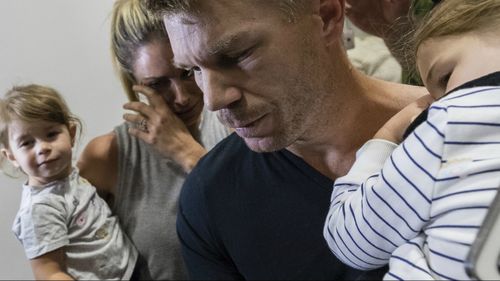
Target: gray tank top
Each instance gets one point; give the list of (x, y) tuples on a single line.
[(146, 199)]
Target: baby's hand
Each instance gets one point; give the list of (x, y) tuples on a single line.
[(394, 129)]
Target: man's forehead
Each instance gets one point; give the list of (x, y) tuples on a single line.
[(214, 11), (212, 38)]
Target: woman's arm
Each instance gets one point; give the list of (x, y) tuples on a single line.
[(50, 266), (98, 163)]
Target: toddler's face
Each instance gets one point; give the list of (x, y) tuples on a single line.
[(41, 149), (447, 62)]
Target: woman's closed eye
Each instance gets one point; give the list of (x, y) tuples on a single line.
[(159, 84)]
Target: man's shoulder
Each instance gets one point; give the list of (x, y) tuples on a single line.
[(219, 164), (231, 148), (211, 179), (229, 164)]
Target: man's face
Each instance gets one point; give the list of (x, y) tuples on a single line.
[(262, 74)]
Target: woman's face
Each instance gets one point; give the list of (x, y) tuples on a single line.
[(153, 68)]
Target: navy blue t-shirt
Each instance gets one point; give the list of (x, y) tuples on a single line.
[(247, 215)]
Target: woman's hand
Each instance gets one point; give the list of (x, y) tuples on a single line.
[(163, 129), (394, 129)]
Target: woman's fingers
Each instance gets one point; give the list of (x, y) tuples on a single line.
[(138, 133), (154, 99), (133, 118), (141, 108)]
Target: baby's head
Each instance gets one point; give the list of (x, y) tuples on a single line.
[(37, 132), (457, 42)]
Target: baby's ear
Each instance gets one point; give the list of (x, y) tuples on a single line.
[(9, 156)]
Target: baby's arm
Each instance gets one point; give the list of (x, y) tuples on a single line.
[(50, 266), (394, 129), (43, 231), (373, 211)]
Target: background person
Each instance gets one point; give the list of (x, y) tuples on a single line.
[(371, 56), (394, 21), (141, 172), (276, 71)]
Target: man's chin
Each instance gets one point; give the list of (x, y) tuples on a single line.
[(260, 145)]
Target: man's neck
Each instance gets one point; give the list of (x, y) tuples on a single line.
[(367, 105)]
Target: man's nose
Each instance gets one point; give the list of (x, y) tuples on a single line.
[(217, 92)]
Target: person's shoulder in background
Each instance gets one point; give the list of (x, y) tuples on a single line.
[(371, 56)]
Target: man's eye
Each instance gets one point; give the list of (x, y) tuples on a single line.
[(243, 55), (231, 60)]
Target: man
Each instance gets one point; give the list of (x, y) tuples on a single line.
[(277, 73)]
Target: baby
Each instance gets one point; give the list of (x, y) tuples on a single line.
[(66, 229), (418, 205)]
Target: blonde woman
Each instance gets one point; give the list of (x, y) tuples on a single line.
[(141, 165)]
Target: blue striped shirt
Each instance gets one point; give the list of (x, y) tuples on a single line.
[(418, 206)]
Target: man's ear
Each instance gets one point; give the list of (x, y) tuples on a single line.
[(72, 133), (9, 156), (332, 14)]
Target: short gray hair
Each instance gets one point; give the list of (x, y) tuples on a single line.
[(291, 8)]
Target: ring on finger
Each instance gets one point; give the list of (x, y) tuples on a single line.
[(143, 125)]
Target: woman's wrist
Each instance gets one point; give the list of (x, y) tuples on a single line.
[(191, 156)]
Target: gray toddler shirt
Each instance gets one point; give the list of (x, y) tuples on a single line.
[(68, 213)]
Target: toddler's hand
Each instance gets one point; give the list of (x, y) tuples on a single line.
[(394, 129)]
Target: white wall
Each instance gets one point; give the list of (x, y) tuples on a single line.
[(64, 44)]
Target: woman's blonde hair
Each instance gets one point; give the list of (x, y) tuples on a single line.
[(455, 17), (132, 26), (31, 103)]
